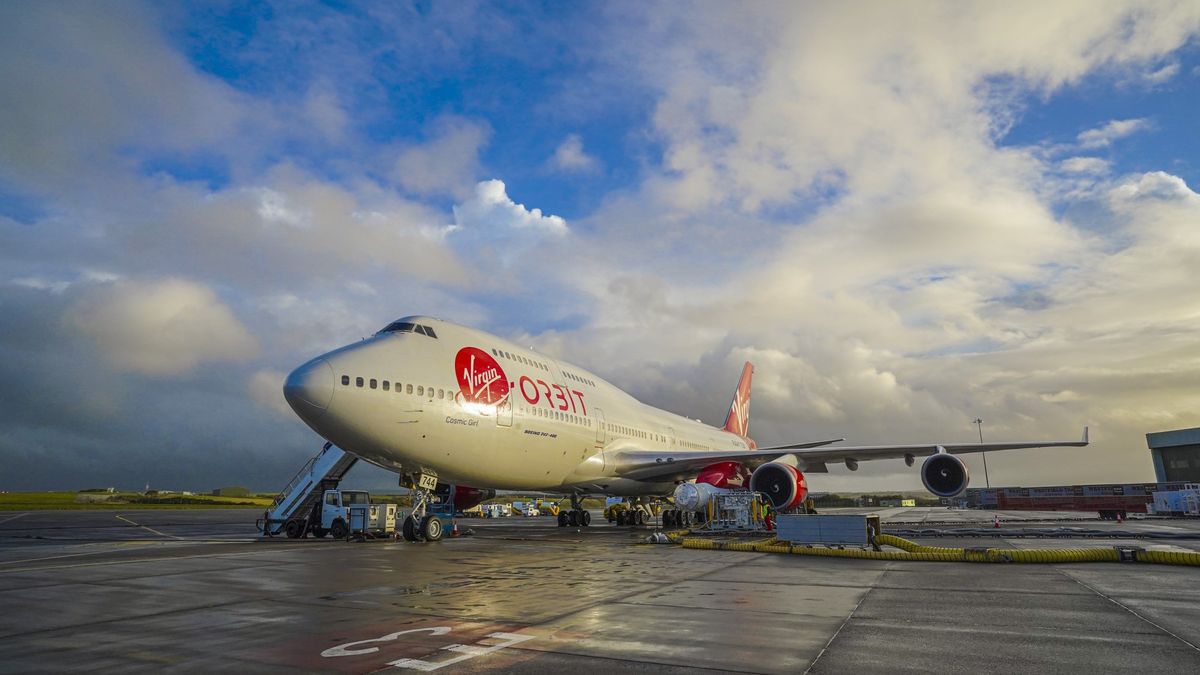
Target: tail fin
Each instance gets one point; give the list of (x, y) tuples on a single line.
[(738, 419)]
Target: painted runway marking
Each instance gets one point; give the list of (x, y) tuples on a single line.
[(149, 529), (465, 651), (11, 518)]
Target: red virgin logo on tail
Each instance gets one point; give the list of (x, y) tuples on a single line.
[(480, 377), (738, 419)]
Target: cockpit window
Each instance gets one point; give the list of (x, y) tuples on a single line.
[(408, 327), (399, 327)]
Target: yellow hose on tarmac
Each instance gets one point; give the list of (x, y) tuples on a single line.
[(912, 551)]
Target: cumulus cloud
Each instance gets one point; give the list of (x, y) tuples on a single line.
[(1084, 165), (447, 162), (1156, 186), (161, 328), (570, 156), (1103, 136), (490, 209)]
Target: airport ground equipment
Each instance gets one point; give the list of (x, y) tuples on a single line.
[(350, 512), (850, 530), (292, 513), (736, 510)]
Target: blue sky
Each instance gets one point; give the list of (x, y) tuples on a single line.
[(906, 216)]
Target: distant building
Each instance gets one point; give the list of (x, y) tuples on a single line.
[(1176, 454), (233, 491)]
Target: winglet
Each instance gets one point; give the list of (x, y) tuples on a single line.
[(1085, 435), (738, 419)]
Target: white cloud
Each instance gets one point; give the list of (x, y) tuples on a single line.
[(273, 208), (1161, 75), (1155, 185), (570, 156), (491, 210), (161, 328), (1103, 136), (447, 162), (1085, 165)]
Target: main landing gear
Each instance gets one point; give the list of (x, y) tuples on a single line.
[(577, 516), (420, 525)]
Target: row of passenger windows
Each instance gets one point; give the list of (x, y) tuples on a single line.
[(693, 446), (387, 385), (581, 380), (534, 363), (635, 433), (556, 415), (520, 359)]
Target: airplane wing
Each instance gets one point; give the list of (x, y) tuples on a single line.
[(662, 465)]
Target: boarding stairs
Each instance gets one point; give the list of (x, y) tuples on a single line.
[(297, 500)]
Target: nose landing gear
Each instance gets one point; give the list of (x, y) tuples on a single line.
[(421, 525)]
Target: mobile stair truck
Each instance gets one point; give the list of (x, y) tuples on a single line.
[(312, 503)]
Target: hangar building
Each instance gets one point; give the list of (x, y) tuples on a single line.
[(1176, 454)]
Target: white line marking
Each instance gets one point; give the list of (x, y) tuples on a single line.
[(148, 529), (14, 517), (1128, 609)]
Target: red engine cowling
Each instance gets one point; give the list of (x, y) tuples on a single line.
[(722, 474), (783, 485), (466, 496)]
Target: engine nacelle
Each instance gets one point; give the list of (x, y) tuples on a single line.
[(466, 496), (463, 496), (944, 475), (783, 485), (695, 496)]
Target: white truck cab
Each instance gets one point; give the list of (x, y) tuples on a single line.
[(344, 512)]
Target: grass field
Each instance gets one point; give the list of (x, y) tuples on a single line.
[(43, 501)]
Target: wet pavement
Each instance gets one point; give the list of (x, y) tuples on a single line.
[(196, 591)]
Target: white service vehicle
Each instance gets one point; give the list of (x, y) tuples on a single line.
[(346, 512)]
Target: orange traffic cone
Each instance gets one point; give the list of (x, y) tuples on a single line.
[(996, 522), (1120, 519), (453, 527)]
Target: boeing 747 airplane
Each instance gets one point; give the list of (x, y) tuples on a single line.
[(438, 402)]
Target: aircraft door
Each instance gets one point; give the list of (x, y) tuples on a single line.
[(599, 420), (504, 412), (671, 438)]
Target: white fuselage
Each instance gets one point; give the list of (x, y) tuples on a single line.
[(479, 410)]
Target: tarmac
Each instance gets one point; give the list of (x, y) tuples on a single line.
[(198, 591)]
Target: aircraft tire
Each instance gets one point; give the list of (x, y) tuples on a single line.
[(621, 519), (409, 529), (573, 518), (338, 529), (562, 519), (585, 518), (431, 528)]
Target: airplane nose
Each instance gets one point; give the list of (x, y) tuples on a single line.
[(310, 388)]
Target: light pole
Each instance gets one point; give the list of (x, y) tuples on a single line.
[(979, 423)]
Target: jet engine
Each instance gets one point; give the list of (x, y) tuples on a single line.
[(695, 496), (466, 496), (783, 485), (463, 496), (944, 475)]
